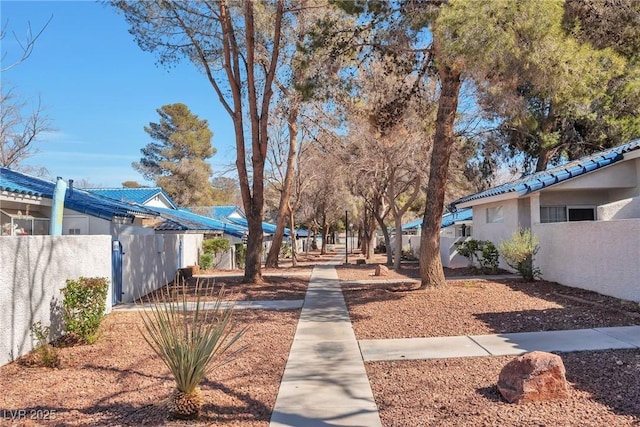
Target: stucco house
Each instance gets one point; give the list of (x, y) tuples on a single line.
[(455, 226), (26, 203), (146, 196), (586, 214)]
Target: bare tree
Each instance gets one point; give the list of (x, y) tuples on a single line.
[(237, 46), (19, 131), (26, 45)]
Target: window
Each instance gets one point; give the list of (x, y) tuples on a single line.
[(18, 223), (567, 213), (553, 214), (74, 231), (581, 213), (495, 215), (463, 230)]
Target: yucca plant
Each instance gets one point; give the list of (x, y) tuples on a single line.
[(192, 340)]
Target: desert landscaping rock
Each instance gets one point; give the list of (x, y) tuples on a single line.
[(381, 270), (533, 377)]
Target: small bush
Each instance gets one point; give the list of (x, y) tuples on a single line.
[(206, 261), (490, 258), (83, 306), (487, 260), (192, 341), (518, 252), (215, 246), (211, 248), (241, 255), (46, 353), (285, 250)]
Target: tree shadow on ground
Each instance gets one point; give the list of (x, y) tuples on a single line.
[(273, 288), (572, 309)]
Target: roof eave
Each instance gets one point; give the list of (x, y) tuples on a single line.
[(491, 199)]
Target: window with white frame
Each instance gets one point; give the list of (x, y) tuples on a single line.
[(553, 214), (567, 213), (495, 215)]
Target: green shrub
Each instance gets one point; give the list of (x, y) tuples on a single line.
[(468, 249), (191, 340), (83, 306), (215, 246), (241, 255), (211, 248), (46, 353), (518, 252), (206, 261), (488, 259), (285, 250)]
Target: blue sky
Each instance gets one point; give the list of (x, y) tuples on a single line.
[(100, 89)]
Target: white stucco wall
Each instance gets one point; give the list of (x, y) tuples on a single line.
[(495, 232), (33, 269), (554, 197), (619, 175), (601, 256), (448, 255), (151, 261), (623, 209), (191, 249)]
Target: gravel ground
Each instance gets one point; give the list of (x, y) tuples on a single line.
[(119, 381), (604, 385), (604, 391)]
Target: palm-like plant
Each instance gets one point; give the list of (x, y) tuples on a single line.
[(191, 340)]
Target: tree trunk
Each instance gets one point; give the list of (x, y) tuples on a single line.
[(369, 228), (285, 196), (259, 118), (398, 245), (294, 238), (325, 236), (544, 157), (431, 272), (387, 239)]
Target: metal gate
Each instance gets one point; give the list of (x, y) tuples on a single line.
[(116, 271)]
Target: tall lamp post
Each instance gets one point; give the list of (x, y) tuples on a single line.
[(346, 236)]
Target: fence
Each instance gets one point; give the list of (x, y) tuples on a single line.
[(600, 256)]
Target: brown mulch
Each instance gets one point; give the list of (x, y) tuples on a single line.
[(477, 307), (272, 288), (604, 391), (119, 381)]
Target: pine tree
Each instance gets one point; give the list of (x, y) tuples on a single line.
[(176, 160)]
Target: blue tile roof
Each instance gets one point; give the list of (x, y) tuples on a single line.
[(544, 179), (75, 199), (448, 219), (223, 212), (266, 227), (188, 221), (133, 195)]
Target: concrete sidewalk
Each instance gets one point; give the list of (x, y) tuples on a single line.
[(621, 337), (325, 382)]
